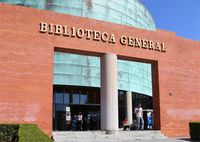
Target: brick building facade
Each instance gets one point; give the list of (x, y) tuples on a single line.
[(27, 54)]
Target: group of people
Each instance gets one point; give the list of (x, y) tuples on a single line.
[(77, 119), (139, 118)]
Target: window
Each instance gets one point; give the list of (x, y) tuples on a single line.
[(54, 97), (54, 111), (60, 108), (83, 96), (121, 98), (83, 99), (76, 95), (97, 96), (67, 95), (76, 98), (91, 96), (59, 95)]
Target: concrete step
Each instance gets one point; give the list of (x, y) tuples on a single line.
[(109, 136), (68, 133), (100, 136)]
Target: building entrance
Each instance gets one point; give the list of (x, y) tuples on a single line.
[(91, 117), (69, 101)]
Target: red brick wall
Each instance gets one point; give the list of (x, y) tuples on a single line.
[(26, 70), (179, 75), (26, 67)]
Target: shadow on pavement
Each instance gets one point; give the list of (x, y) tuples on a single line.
[(187, 140)]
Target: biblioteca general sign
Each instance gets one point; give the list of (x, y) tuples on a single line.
[(100, 36)]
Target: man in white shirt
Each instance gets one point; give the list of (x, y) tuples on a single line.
[(139, 116)]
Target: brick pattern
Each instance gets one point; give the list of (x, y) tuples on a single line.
[(26, 67)]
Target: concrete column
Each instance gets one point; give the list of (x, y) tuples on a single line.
[(109, 93), (128, 106)]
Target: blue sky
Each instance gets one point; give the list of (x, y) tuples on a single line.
[(180, 16)]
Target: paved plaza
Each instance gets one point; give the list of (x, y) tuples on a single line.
[(159, 140), (121, 136)]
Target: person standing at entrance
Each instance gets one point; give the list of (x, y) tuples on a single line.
[(74, 123), (80, 121), (139, 117)]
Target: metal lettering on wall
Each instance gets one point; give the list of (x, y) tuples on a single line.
[(98, 36)]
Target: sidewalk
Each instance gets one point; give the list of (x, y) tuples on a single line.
[(162, 140)]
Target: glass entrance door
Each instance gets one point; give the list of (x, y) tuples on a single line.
[(75, 100), (60, 118), (91, 117), (94, 117)]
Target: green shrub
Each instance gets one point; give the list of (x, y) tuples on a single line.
[(7, 132), (31, 133), (26, 133), (195, 130)]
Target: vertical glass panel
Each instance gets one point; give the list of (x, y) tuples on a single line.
[(54, 110), (133, 99), (141, 99), (151, 103), (54, 115), (121, 113), (76, 98), (83, 96), (91, 94), (137, 100), (59, 97), (76, 95), (67, 95), (54, 97), (97, 96), (144, 102), (83, 99), (59, 108), (54, 94), (121, 98), (133, 96), (136, 96), (83, 91), (60, 118)]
